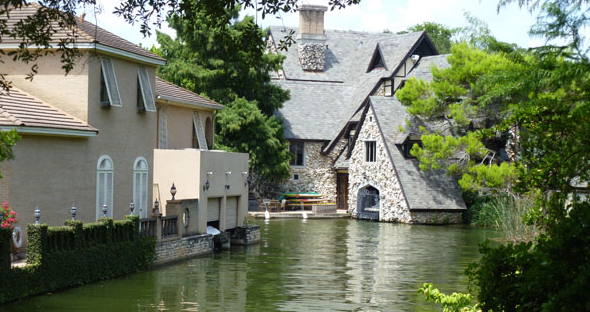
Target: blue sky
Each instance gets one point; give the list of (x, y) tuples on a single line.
[(511, 24)]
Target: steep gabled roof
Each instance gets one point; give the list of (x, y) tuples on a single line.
[(87, 35), (23, 111), (377, 60), (424, 190), (171, 92), (422, 69)]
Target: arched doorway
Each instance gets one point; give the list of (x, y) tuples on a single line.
[(368, 203)]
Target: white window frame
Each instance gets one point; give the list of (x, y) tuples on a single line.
[(146, 89), (110, 78), (140, 187), (388, 87), (108, 194), (370, 152)]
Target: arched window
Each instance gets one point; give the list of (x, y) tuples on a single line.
[(140, 186), (104, 186)]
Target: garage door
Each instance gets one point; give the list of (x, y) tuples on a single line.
[(231, 213), (213, 209)]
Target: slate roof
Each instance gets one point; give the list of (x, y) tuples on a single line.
[(18, 109), (422, 69), (169, 91), (85, 32), (430, 190), (323, 102)]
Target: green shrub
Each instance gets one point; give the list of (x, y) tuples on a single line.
[(76, 254), (551, 275), (5, 237)]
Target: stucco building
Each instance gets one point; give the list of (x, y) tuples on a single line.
[(347, 130)]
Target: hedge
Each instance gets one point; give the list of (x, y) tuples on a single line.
[(75, 254)]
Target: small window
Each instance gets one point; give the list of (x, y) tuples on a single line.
[(408, 147), (145, 90), (296, 177), (370, 151), (109, 90), (388, 88), (297, 149)]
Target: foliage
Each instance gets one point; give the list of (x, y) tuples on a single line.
[(7, 141), (36, 32), (455, 302), (227, 63), (5, 249), (9, 216), (76, 254), (440, 35), (550, 275)]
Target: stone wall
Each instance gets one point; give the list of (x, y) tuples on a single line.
[(246, 235), (436, 217), (316, 174), (183, 248), (380, 174), (311, 56), (272, 48), (380, 91)]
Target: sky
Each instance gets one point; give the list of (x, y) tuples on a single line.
[(511, 24)]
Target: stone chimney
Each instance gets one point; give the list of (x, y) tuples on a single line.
[(311, 38)]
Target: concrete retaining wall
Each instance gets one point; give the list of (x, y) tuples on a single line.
[(183, 248)]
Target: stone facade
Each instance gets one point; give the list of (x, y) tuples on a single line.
[(379, 174), (316, 174), (246, 235), (183, 248), (436, 217), (272, 48), (311, 56), (380, 90)]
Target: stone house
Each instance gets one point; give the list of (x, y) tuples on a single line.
[(347, 130), (89, 137)]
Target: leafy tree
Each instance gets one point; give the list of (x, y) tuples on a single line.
[(227, 63), (440, 34)]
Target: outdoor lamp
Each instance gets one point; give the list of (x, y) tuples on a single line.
[(157, 206), (245, 175), (104, 210), (37, 215), (173, 190), (131, 207), (73, 211), (206, 187)]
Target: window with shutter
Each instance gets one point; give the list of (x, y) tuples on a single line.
[(147, 96), (109, 90)]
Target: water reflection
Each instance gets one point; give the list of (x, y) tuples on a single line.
[(318, 265)]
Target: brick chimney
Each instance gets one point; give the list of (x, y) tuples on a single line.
[(311, 38)]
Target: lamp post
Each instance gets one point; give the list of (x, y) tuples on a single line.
[(131, 207), (37, 215), (73, 211), (173, 191), (104, 210), (157, 206)]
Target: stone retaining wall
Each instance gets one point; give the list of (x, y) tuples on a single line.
[(246, 235), (436, 217), (183, 248)]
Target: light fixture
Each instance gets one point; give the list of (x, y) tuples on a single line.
[(157, 207), (104, 210), (173, 191), (37, 215), (245, 175), (131, 207), (206, 186), (73, 211)]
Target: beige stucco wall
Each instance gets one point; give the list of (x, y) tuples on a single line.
[(56, 172), (69, 93), (180, 125), (188, 168)]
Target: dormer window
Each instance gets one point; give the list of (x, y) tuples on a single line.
[(407, 145), (388, 88), (109, 90), (144, 91)]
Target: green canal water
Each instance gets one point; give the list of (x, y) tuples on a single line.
[(311, 265)]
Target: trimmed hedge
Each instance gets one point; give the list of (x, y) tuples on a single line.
[(76, 254)]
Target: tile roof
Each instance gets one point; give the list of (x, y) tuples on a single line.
[(20, 109), (422, 69), (170, 91), (431, 190), (85, 32), (322, 103)]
